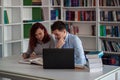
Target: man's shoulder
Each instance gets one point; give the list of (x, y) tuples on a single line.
[(72, 36)]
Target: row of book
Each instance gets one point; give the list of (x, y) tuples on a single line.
[(109, 2), (80, 15), (32, 2), (109, 31), (71, 28), (77, 3), (111, 59), (110, 46), (37, 15), (94, 61), (55, 14), (74, 29), (55, 2), (110, 15)]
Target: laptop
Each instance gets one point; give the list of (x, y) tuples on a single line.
[(55, 58)]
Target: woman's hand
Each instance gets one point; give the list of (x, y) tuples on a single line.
[(25, 55), (33, 55)]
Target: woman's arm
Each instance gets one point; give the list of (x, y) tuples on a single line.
[(27, 53)]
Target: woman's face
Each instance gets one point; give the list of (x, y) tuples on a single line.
[(39, 34)]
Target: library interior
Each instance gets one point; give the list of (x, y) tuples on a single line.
[(95, 22)]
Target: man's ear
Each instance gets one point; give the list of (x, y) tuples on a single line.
[(64, 30)]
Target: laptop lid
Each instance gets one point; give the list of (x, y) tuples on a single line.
[(58, 58)]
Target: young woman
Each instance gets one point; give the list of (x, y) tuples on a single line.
[(39, 39)]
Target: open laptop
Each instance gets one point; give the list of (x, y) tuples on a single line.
[(54, 58)]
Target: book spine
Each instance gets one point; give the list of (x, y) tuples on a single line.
[(27, 28), (6, 19), (27, 2)]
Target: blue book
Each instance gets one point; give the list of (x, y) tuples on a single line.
[(53, 14), (94, 54), (110, 15)]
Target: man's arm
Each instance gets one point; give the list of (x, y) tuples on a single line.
[(79, 52)]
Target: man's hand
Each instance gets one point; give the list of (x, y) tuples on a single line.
[(60, 43)]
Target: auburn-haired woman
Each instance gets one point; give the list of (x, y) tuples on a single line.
[(39, 39)]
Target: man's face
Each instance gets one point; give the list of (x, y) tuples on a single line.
[(59, 34)]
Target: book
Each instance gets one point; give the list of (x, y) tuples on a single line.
[(118, 15), (102, 30), (27, 2), (1, 51), (93, 27), (36, 2), (36, 61), (27, 28), (94, 54), (94, 64), (58, 2), (54, 14), (108, 31), (6, 20), (111, 59), (37, 13), (94, 61), (55, 2), (99, 69), (27, 21)]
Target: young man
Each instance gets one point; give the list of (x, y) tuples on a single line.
[(67, 40)]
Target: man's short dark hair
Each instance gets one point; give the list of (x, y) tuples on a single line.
[(58, 25)]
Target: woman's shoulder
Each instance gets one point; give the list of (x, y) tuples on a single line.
[(52, 37)]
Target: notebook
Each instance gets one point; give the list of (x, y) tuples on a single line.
[(58, 58)]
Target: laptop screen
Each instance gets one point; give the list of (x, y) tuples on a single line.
[(56, 58)]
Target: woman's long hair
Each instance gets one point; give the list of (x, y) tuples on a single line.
[(33, 39)]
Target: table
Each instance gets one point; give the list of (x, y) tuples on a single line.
[(9, 67)]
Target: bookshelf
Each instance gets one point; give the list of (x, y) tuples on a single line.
[(97, 23), (1, 29), (11, 35), (109, 24), (37, 12), (80, 18), (92, 21), (83, 18)]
